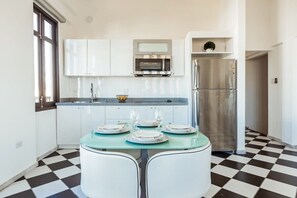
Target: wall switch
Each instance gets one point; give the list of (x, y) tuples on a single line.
[(19, 144)]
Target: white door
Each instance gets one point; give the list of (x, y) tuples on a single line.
[(99, 57), (75, 55), (115, 114), (68, 125), (180, 114), (275, 63), (178, 57), (91, 117), (148, 112), (121, 60)]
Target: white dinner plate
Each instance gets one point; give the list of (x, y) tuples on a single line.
[(122, 130), (167, 129), (157, 141), (111, 127), (178, 127), (147, 137)]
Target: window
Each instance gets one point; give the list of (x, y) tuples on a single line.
[(45, 60)]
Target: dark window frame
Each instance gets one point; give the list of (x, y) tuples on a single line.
[(42, 104)]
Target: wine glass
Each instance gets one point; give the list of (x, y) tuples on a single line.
[(134, 116), (158, 117)]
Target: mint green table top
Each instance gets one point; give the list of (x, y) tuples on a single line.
[(118, 141)]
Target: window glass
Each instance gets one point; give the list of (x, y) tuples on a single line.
[(35, 21), (36, 69), (47, 29), (45, 60), (48, 63)]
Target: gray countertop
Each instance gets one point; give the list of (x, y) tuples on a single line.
[(129, 101)]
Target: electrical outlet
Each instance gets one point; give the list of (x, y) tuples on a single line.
[(19, 144)]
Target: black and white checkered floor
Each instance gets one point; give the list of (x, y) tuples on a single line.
[(267, 170)]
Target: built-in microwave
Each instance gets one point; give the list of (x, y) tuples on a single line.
[(152, 65), (152, 57)]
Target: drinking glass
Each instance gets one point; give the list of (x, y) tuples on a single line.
[(158, 117), (134, 116)]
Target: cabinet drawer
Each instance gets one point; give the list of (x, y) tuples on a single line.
[(118, 112)]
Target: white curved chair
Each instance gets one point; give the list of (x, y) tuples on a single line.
[(108, 174), (182, 173)]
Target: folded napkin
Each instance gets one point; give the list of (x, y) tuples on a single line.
[(147, 123), (147, 135), (179, 128), (111, 127)]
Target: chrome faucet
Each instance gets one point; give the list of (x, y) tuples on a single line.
[(92, 93)]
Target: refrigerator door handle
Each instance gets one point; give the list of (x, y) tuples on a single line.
[(195, 109), (195, 73)]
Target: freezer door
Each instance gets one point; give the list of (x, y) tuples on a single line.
[(217, 73), (217, 118)]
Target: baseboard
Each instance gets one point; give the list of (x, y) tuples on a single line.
[(47, 153), (21, 174), (68, 146)]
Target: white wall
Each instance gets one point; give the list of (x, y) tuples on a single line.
[(285, 29), (257, 94), (259, 24), (46, 135), (137, 19), (17, 114)]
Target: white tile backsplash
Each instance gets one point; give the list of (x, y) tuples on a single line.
[(134, 87)]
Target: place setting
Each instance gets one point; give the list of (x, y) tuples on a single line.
[(109, 129), (178, 129)]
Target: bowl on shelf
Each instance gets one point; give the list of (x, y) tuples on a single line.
[(122, 98)]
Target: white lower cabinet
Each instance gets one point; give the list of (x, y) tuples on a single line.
[(180, 114), (75, 121), (116, 114), (148, 112)]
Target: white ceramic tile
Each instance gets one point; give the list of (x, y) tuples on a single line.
[(285, 169), (241, 188), (225, 171), (75, 160), (275, 142), (258, 143), (265, 158), (290, 149), (14, 188), (238, 158), (279, 187), (54, 159), (216, 160), (77, 191), (252, 133), (288, 157), (271, 149), (66, 172), (49, 189), (263, 138), (249, 138), (212, 191), (65, 151), (252, 150), (262, 172), (40, 170)]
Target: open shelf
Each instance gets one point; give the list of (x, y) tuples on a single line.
[(223, 46)]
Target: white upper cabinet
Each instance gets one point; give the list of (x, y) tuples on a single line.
[(75, 57), (121, 57), (99, 57), (87, 57), (178, 57)]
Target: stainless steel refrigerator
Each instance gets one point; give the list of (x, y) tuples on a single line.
[(214, 101)]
